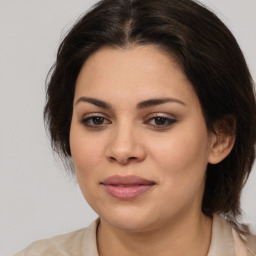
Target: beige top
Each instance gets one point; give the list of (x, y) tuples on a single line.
[(224, 242)]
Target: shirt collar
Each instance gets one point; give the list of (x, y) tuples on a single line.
[(222, 241), (90, 236)]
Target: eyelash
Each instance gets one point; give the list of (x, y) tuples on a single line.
[(170, 121), (90, 118)]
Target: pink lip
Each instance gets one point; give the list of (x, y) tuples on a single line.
[(126, 187)]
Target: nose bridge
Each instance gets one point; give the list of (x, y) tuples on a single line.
[(124, 143), (123, 136)]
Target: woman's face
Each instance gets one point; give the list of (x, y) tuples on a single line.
[(138, 138)]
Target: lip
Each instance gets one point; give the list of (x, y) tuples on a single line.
[(126, 187)]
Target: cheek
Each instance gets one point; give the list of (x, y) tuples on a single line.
[(183, 152), (86, 157), (183, 157), (85, 151)]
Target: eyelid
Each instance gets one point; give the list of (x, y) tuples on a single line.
[(92, 114), (88, 117), (171, 120), (160, 114)]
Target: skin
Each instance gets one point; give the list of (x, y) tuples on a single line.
[(167, 219)]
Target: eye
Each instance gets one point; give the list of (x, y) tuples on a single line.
[(161, 122), (95, 121)]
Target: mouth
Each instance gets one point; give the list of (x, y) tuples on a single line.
[(126, 187)]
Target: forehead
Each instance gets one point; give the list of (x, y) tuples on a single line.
[(139, 71)]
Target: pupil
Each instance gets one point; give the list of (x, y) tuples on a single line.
[(160, 120), (97, 120)]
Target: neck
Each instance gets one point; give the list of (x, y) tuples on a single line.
[(187, 236)]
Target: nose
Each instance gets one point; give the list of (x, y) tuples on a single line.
[(125, 146)]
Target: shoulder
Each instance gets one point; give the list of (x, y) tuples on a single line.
[(52, 246), (245, 244), (251, 242), (66, 244), (227, 241)]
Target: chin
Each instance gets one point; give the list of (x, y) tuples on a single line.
[(129, 219), (130, 224)]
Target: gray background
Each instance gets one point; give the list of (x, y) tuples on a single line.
[(38, 199)]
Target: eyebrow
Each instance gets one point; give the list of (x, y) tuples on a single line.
[(140, 105)]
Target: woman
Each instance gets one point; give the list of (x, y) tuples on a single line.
[(153, 105)]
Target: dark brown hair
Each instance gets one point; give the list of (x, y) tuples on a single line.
[(209, 56)]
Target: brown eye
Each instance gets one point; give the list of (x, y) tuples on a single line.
[(160, 122), (98, 120), (95, 121)]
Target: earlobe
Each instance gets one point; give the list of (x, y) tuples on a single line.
[(222, 144)]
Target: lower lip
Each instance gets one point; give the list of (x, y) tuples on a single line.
[(127, 192)]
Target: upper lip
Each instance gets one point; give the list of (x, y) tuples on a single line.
[(127, 180)]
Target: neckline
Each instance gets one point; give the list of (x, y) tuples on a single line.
[(222, 240)]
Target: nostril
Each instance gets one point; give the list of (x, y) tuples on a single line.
[(125, 154), (122, 160), (112, 158)]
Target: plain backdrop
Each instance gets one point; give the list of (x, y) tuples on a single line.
[(37, 198)]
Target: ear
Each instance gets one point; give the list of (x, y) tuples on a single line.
[(222, 140)]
